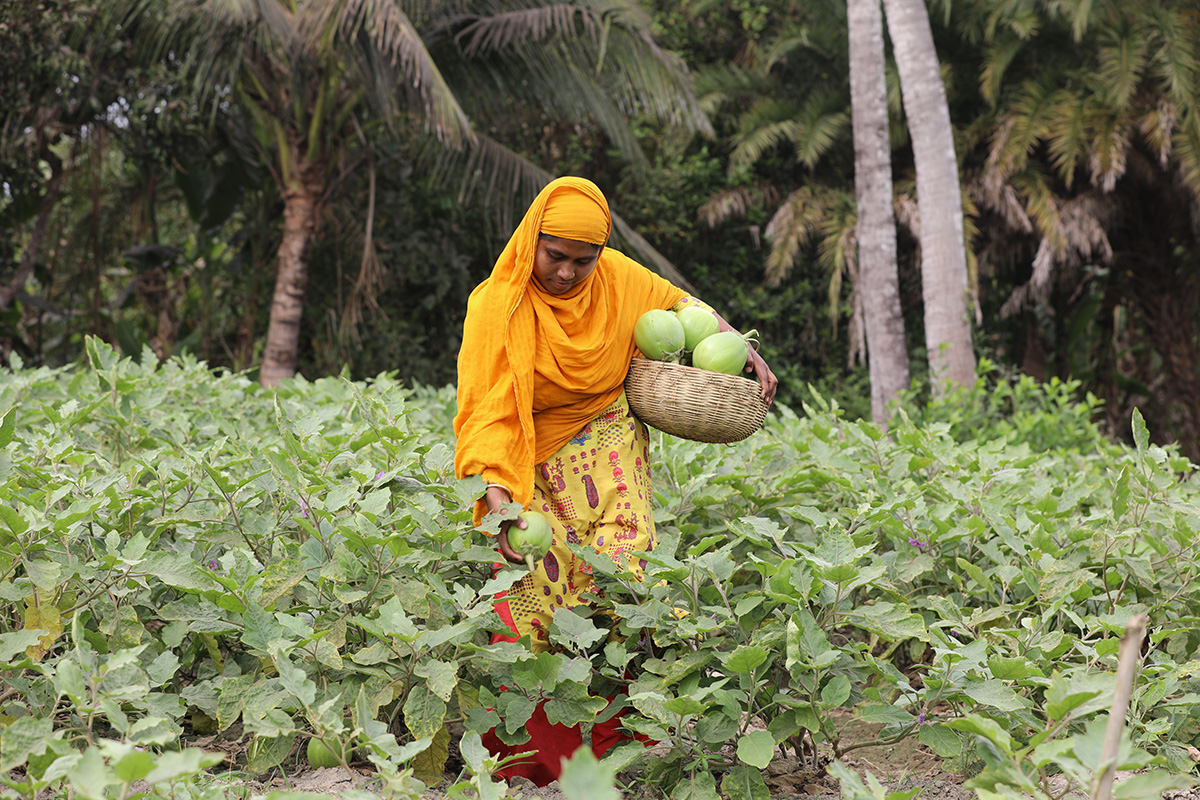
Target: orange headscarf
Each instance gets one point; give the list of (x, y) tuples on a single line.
[(534, 368)]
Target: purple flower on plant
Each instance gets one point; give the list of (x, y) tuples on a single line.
[(921, 718), (304, 508), (378, 475), (917, 543), (213, 565)]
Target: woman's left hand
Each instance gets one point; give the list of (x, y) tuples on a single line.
[(754, 364), (766, 377)]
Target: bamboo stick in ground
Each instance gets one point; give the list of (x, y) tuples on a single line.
[(1127, 659)]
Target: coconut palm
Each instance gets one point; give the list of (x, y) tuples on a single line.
[(883, 322), (1088, 176), (316, 79), (788, 95)]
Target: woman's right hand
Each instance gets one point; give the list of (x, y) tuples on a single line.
[(496, 497)]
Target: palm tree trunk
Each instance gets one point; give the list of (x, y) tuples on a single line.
[(939, 202), (287, 307), (887, 357)]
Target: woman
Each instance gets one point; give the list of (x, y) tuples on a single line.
[(542, 416)]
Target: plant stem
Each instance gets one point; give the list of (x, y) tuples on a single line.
[(1131, 645), (899, 737)]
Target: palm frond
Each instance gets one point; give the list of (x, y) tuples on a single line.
[(720, 84), (649, 80), (213, 36), (837, 250), (1021, 296), (1158, 129), (1001, 198), (750, 146), (1084, 220), (1067, 134), (1041, 204), (728, 79), (1109, 151), (502, 179), (735, 202), (562, 90), (815, 39), (998, 56), (1016, 16), (274, 16), (1187, 152), (823, 120), (1122, 57), (610, 113), (510, 30), (393, 47), (1021, 130), (627, 13), (766, 110), (1082, 17), (564, 74), (786, 45), (1174, 60), (1081, 224), (796, 224), (636, 245)]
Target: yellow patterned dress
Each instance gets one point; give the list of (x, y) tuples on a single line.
[(595, 491)]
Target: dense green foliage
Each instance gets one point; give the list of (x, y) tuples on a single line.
[(1077, 135), (185, 555)]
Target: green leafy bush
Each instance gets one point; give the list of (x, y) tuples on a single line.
[(1048, 416), (186, 556)]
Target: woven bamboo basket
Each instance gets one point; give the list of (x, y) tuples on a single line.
[(694, 403)]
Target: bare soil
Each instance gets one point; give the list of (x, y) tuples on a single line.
[(907, 765)]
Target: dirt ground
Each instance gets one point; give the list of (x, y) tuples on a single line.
[(907, 765)]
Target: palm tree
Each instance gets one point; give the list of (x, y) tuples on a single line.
[(1087, 180), (943, 249), (878, 281), (786, 91), (315, 79), (789, 94)]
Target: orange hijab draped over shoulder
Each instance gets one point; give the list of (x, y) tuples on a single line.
[(534, 368)]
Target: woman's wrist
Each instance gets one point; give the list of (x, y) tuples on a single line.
[(496, 496)]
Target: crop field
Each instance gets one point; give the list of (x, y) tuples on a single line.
[(201, 577)]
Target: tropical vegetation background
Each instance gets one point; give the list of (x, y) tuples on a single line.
[(315, 185)]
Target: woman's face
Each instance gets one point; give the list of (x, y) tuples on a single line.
[(559, 265)]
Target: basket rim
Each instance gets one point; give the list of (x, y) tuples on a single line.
[(695, 403), (642, 362)]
